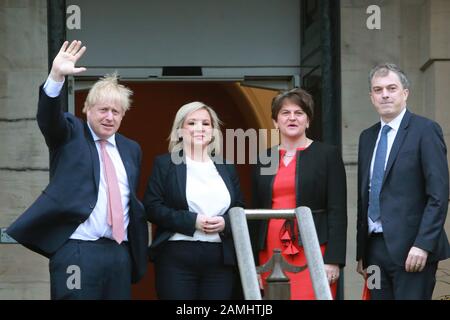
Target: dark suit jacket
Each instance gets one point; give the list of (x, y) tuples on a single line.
[(71, 195), (415, 190), (166, 205), (320, 185)]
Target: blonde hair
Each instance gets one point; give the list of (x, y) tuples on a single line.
[(108, 89), (175, 141)]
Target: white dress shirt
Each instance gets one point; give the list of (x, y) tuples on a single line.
[(96, 225), (52, 88), (395, 125), (206, 193)]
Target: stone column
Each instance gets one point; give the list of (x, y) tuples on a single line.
[(435, 64), (23, 156)]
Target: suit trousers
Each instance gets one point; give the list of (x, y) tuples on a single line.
[(395, 282), (91, 270), (193, 270)]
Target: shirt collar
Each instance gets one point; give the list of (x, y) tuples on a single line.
[(111, 140), (395, 123)]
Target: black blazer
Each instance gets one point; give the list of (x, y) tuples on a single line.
[(166, 205), (415, 190), (71, 194), (320, 185)]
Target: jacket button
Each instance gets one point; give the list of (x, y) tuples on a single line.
[(91, 206)]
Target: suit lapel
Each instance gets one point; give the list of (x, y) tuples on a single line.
[(125, 155), (226, 178), (268, 180), (181, 178), (399, 138), (94, 154), (367, 150), (301, 162), (305, 161)]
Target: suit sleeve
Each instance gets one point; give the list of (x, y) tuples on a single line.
[(158, 210), (51, 120), (255, 226), (435, 171), (336, 209), (239, 201), (361, 225), (139, 164)]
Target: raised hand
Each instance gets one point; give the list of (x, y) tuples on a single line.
[(65, 60)]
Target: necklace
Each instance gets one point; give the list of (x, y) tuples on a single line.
[(289, 155), (286, 155)]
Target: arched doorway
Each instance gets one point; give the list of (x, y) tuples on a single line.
[(150, 119)]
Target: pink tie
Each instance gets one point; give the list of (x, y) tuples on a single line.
[(115, 209)]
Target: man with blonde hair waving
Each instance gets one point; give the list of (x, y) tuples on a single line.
[(88, 220)]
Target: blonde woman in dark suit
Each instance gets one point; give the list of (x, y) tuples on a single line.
[(188, 197)]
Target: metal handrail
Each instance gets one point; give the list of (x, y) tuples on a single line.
[(308, 234)]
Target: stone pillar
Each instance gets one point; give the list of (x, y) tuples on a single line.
[(435, 64), (23, 156)]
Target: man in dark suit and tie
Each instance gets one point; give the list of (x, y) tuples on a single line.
[(88, 220), (403, 193)]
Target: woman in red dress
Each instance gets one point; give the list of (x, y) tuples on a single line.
[(308, 173)]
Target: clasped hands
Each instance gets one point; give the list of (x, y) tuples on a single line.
[(209, 225)]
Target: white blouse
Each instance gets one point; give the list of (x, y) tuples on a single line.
[(207, 194)]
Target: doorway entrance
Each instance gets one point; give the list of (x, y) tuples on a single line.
[(150, 119), (183, 51)]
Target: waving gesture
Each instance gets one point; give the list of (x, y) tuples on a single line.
[(65, 60)]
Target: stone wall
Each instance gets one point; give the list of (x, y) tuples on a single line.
[(415, 35), (24, 157)]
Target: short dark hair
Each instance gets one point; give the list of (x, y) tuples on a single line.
[(382, 70), (297, 96)]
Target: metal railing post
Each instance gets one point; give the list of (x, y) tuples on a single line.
[(244, 254), (313, 254), (278, 285), (246, 262)]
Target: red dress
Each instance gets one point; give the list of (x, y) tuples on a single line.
[(285, 235)]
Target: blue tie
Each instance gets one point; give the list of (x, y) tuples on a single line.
[(378, 175)]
